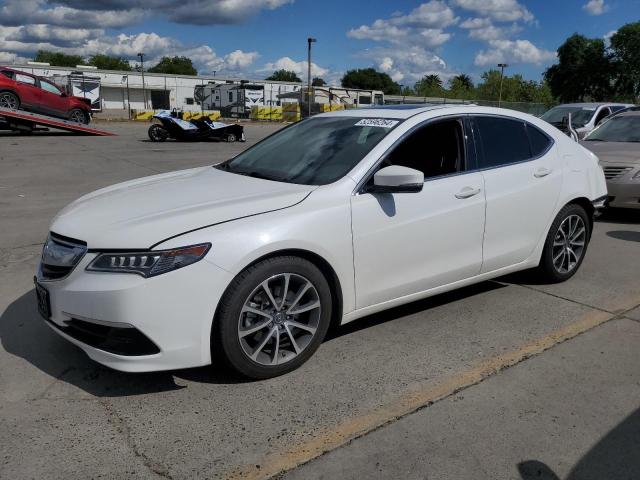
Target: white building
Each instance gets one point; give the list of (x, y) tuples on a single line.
[(123, 90)]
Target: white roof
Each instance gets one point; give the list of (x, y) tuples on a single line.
[(401, 111)]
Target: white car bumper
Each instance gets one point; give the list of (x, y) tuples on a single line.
[(135, 324)]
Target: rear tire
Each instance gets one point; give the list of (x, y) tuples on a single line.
[(79, 116), (231, 137), (9, 100), (259, 339), (566, 244), (157, 133)]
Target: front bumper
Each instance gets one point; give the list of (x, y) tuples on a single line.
[(624, 194), (100, 312)]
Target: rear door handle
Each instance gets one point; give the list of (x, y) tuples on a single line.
[(542, 172), (467, 192)]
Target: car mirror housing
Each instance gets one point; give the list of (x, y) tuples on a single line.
[(397, 179)]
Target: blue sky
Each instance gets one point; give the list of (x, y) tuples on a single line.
[(251, 38)]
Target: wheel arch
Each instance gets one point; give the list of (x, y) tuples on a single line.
[(323, 265), (588, 207)]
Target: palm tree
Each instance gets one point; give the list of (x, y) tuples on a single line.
[(429, 85), (463, 81)]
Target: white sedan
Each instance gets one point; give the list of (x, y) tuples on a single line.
[(326, 221)]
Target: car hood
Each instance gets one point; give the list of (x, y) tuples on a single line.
[(140, 213), (615, 153)]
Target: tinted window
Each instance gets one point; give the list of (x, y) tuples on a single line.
[(624, 128), (540, 142), (7, 73), (502, 141), (436, 149), (316, 151)]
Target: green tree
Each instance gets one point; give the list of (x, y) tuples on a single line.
[(59, 59), (370, 79), (429, 86), (318, 82), (174, 66), (106, 62), (625, 47), (584, 70), (283, 75), (461, 86)]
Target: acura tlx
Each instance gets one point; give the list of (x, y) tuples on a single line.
[(249, 262)]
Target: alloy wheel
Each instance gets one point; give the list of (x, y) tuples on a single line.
[(569, 243), (279, 319), (8, 100), (77, 116)]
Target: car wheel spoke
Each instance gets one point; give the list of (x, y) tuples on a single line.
[(267, 290), (254, 328), (305, 308), (285, 289), (302, 326), (292, 339), (299, 296), (262, 344)]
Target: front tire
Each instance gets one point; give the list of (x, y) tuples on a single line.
[(157, 133), (79, 116), (273, 317), (566, 244), (231, 137)]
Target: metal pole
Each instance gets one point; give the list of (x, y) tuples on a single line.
[(309, 42), (502, 67), (144, 93), (128, 98)]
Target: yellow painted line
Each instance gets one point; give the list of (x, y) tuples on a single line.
[(331, 438)]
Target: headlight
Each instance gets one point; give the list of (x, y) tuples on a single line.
[(149, 264)]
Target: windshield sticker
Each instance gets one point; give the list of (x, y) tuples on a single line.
[(377, 122)]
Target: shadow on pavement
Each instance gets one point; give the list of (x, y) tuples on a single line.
[(23, 333), (411, 308), (628, 235), (620, 215), (615, 456)]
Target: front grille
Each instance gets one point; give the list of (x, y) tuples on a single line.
[(120, 341), (60, 255), (615, 172)]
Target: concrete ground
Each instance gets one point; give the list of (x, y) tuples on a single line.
[(505, 379)]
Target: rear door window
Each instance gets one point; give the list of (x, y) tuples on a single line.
[(25, 79), (502, 140)]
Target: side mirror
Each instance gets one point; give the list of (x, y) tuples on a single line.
[(397, 179), (62, 94)]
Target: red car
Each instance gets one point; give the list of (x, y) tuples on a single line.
[(20, 90)]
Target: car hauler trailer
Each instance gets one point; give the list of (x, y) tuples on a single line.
[(25, 122)]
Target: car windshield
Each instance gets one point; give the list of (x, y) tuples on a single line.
[(316, 151), (580, 116), (618, 129)]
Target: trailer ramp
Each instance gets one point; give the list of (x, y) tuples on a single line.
[(22, 121)]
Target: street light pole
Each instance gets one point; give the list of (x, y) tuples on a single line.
[(309, 42), (144, 93), (502, 67)]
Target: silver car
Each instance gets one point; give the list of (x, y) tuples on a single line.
[(617, 143), (584, 116)]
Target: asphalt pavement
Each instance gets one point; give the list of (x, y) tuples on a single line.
[(504, 379)]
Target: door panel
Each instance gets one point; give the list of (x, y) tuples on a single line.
[(523, 178), (53, 103), (406, 243), (28, 91)]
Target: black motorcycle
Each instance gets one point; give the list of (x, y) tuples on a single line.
[(194, 130)]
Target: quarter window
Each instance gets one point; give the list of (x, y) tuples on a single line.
[(502, 140), (436, 149), (540, 142), (7, 73)]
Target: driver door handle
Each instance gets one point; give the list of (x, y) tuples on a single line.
[(467, 192), (542, 172)]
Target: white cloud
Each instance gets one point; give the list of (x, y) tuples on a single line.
[(408, 65), (595, 7), (483, 29), (239, 59), (497, 10), (607, 37), (513, 51), (300, 68), (423, 25)]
